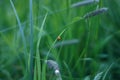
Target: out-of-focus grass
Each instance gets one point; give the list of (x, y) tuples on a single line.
[(96, 49)]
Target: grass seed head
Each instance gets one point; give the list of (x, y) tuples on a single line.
[(52, 65), (96, 12), (83, 3)]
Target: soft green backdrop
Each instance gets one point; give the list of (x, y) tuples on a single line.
[(85, 49)]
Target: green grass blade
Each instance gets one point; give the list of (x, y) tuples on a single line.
[(38, 62), (31, 40), (107, 71), (35, 71), (23, 36), (98, 76), (69, 71), (20, 26)]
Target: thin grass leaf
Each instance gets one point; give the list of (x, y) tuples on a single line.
[(68, 69), (84, 3), (38, 62), (35, 71), (31, 40), (86, 59), (104, 76), (96, 12), (106, 40), (66, 42), (86, 44), (98, 76), (55, 42), (20, 26), (23, 36), (7, 29)]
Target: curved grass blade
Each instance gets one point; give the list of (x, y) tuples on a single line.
[(107, 71), (98, 76), (23, 37), (38, 62)]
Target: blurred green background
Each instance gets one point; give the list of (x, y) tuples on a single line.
[(85, 49)]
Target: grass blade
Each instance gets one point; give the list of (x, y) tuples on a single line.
[(23, 37), (31, 40), (20, 26), (98, 76), (38, 62), (107, 71)]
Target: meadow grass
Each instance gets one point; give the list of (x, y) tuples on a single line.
[(80, 37)]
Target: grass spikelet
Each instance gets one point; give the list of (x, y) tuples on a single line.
[(85, 2), (52, 65), (98, 76), (96, 12)]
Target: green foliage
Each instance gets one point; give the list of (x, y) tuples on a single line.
[(59, 30)]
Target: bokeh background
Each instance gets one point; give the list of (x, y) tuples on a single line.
[(85, 49)]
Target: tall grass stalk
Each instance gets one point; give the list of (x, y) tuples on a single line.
[(23, 37), (20, 26), (38, 58), (31, 40)]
